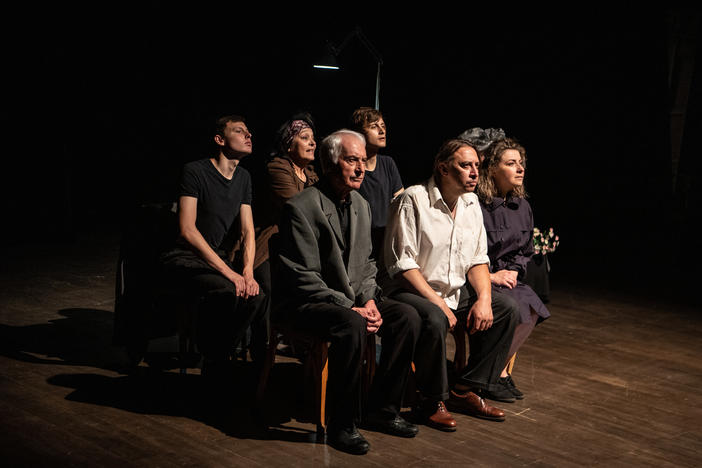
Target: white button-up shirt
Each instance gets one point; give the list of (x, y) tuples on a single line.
[(421, 233)]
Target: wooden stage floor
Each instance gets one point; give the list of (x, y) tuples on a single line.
[(612, 379)]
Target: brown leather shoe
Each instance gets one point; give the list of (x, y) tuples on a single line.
[(441, 419), (472, 405)]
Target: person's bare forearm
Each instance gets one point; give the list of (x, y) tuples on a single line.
[(480, 314), (479, 279), (415, 279), (187, 215), (198, 243), (249, 248)]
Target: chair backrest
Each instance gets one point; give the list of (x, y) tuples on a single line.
[(149, 230), (274, 261)]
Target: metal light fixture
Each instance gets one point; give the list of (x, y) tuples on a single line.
[(328, 61)]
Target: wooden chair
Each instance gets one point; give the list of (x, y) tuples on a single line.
[(316, 370), (316, 361)]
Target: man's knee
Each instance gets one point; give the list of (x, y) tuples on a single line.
[(504, 305), (259, 306), (435, 321), (404, 320), (355, 322)]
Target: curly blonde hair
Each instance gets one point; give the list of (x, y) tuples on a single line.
[(486, 188)]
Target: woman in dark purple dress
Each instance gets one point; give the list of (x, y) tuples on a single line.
[(509, 225)]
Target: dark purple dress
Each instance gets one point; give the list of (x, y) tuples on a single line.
[(509, 225)]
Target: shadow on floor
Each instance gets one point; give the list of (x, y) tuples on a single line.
[(227, 405), (82, 338)]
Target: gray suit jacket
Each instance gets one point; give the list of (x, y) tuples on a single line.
[(310, 266)]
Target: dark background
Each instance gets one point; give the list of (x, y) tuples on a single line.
[(101, 107)]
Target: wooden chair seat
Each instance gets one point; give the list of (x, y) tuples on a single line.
[(316, 365)]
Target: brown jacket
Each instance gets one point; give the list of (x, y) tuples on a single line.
[(282, 184)]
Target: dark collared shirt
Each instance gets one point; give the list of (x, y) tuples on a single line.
[(509, 226), (342, 209)]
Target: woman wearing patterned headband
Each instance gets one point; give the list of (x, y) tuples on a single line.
[(509, 225), (288, 171)]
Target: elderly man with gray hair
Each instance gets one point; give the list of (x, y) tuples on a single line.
[(325, 285)]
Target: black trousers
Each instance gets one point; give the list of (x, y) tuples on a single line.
[(223, 318), (488, 349), (430, 353), (346, 330)]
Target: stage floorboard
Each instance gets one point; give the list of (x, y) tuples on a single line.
[(613, 378)]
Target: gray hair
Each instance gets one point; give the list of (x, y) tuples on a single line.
[(330, 148)]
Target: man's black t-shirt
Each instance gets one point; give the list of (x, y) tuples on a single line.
[(218, 198), (377, 188)]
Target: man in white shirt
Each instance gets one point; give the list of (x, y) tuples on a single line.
[(434, 241)]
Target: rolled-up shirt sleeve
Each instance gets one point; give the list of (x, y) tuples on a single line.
[(480, 255), (401, 237)]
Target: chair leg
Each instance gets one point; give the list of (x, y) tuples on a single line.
[(368, 370), (320, 365), (510, 364), (187, 316), (267, 365), (459, 336), (183, 352), (411, 397)]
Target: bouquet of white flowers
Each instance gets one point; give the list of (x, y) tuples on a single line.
[(545, 242)]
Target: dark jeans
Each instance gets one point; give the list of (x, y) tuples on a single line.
[(346, 330), (223, 318), (488, 349)]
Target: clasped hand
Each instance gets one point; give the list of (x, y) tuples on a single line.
[(245, 286), (372, 315)]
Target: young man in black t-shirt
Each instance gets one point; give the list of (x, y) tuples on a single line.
[(382, 180), (214, 193)]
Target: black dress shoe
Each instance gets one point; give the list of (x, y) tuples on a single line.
[(501, 393), (513, 388), (348, 440), (390, 424)]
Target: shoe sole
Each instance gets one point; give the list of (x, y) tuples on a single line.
[(488, 418), (423, 420), (440, 427), (455, 409), (501, 400), (379, 428), (345, 449)]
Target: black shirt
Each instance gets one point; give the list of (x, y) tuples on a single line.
[(378, 187), (218, 199), (342, 210)]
